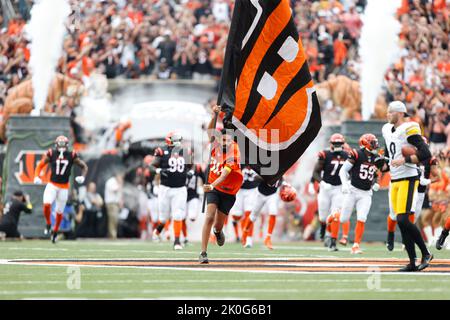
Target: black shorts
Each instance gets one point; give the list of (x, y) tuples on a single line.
[(224, 201)]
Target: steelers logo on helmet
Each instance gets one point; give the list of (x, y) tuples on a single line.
[(369, 142), (337, 142)]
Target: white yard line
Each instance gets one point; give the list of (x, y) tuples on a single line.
[(302, 291), (177, 281), (229, 270)]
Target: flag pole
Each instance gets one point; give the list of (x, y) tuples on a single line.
[(209, 160)]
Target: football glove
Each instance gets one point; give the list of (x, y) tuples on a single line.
[(37, 180), (79, 179), (376, 187), (424, 181)]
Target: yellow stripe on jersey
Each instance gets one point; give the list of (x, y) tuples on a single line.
[(412, 131)]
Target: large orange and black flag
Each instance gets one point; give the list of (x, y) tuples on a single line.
[(266, 90)]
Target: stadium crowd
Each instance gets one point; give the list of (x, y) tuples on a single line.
[(186, 39)]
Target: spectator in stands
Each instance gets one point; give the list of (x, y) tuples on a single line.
[(114, 202)]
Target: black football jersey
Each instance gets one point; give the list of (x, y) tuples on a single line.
[(426, 172), (61, 164), (173, 166), (250, 178), (364, 170), (333, 162), (192, 182), (267, 190)]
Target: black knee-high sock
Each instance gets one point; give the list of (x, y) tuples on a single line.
[(408, 241), (417, 237)]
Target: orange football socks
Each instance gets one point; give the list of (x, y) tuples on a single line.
[(271, 226), (184, 228), (47, 213), (345, 229), (334, 225), (177, 225), (391, 224), (359, 231), (447, 224), (59, 217)]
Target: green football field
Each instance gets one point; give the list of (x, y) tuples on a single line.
[(37, 269)]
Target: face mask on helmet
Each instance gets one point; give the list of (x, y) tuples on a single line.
[(337, 146), (176, 140)]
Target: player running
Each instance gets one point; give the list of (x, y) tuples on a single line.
[(61, 159), (326, 171), (224, 181), (170, 164), (267, 196), (399, 133), (245, 199), (358, 176)]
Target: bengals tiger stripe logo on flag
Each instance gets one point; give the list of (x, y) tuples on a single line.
[(266, 89), (27, 161)]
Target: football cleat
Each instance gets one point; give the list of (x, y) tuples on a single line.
[(156, 236), (356, 249), (248, 243), (268, 243), (220, 238), (390, 241), (186, 242), (323, 228), (408, 268), (332, 247), (48, 229), (177, 245), (203, 258), (440, 242), (238, 240), (343, 241), (327, 241), (54, 236), (425, 262)]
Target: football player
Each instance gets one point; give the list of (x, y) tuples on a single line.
[(224, 181), (326, 171), (245, 199), (267, 196), (60, 158), (398, 133), (358, 176), (170, 164), (428, 173)]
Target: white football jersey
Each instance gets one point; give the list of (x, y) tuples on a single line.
[(395, 139)]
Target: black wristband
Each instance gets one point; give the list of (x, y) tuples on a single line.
[(313, 180)]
